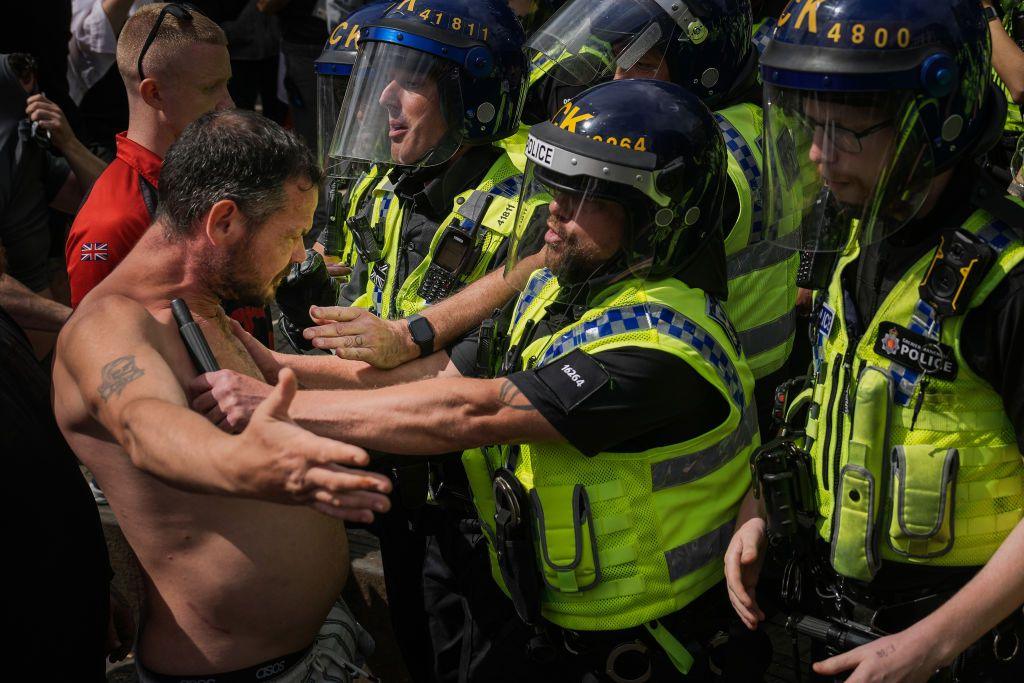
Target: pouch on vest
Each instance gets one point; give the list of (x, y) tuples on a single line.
[(565, 531), (923, 481), (513, 545), (859, 495)]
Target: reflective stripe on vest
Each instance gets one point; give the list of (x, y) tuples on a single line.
[(691, 556), (691, 467)]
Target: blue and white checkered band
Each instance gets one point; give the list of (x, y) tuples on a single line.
[(509, 187), (618, 321), (995, 234), (382, 211), (763, 35), (539, 280), (740, 151), (715, 311)]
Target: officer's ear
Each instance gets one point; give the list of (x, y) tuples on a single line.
[(225, 225), (150, 92)]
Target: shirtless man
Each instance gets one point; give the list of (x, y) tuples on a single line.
[(240, 537)]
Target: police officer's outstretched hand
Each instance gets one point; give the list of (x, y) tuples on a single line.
[(743, 561), (909, 656), (356, 334)]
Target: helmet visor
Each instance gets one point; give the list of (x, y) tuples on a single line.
[(330, 93), (403, 107), (578, 228), (587, 41), (840, 166)]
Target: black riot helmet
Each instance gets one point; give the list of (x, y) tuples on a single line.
[(648, 151)]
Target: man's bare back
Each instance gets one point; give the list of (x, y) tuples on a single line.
[(231, 581)]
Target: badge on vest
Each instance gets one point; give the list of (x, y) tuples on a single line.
[(826, 316), (915, 351), (572, 379), (379, 274)]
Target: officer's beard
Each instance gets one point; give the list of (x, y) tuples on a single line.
[(572, 265)]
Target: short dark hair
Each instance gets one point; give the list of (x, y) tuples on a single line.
[(230, 154), (23, 65)]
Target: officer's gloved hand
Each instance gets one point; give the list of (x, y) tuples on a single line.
[(308, 284)]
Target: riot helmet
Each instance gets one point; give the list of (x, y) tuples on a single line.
[(432, 76), (333, 68), (866, 103), (633, 173)]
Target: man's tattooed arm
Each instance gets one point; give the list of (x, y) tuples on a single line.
[(510, 396), (116, 375)]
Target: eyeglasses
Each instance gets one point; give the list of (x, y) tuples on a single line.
[(179, 11), (844, 139)]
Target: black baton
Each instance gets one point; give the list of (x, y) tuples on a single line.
[(193, 337)]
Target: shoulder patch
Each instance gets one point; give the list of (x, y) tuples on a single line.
[(573, 378)]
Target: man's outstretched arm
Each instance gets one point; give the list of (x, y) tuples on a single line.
[(421, 418), (133, 393)]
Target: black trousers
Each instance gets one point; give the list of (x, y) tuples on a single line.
[(450, 619)]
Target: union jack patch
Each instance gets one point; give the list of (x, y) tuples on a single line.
[(94, 251)]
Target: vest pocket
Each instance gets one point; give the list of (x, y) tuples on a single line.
[(858, 493), (565, 532), (923, 481)]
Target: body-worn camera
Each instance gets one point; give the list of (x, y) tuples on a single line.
[(364, 237), (958, 267)]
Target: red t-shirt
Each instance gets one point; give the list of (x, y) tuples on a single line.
[(119, 208)]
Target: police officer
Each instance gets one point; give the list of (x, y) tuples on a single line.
[(436, 83), (914, 423), (707, 49), (619, 376)]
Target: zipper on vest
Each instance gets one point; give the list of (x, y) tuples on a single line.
[(844, 409), (826, 452)]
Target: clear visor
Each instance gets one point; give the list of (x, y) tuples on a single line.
[(587, 41), (577, 228), (403, 107), (330, 93), (840, 166)]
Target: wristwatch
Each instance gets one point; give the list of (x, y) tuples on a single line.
[(422, 333), (990, 14)]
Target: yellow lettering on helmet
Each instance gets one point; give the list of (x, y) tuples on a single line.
[(407, 5), (353, 37), (572, 118), (810, 12), (336, 33)]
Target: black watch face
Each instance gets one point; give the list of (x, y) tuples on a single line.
[(421, 330)]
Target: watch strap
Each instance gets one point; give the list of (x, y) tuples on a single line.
[(422, 333)]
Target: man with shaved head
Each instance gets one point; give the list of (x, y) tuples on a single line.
[(175, 66)]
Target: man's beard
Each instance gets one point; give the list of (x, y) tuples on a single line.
[(573, 266), (232, 279)]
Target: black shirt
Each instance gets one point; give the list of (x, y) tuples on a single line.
[(637, 398), (992, 339)]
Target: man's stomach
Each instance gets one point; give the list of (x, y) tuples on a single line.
[(232, 582)]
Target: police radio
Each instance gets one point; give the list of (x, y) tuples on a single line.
[(456, 254), (452, 257), (332, 236)]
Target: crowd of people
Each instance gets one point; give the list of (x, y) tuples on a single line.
[(623, 325)]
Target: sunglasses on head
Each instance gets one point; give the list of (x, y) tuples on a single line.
[(178, 11)]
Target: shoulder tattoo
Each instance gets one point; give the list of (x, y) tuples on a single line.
[(117, 374), (510, 396)]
